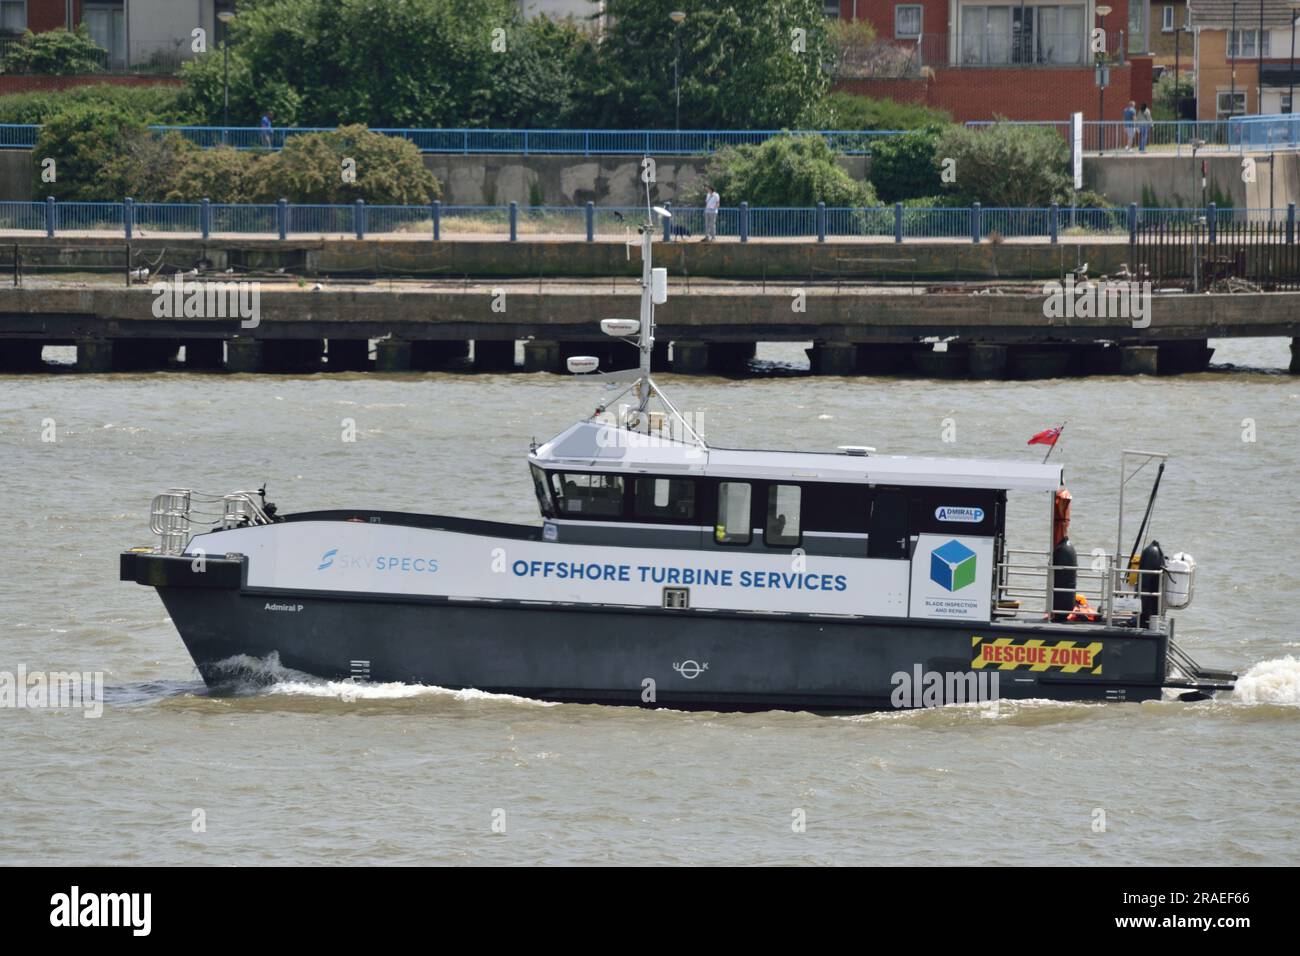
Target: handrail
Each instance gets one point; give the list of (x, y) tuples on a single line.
[(1107, 585), (203, 218)]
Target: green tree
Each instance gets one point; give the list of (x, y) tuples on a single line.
[(785, 171), (905, 167), (55, 52), (737, 67), (1006, 164), (418, 63)]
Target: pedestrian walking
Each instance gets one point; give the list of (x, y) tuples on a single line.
[(711, 202), (1130, 128), (1145, 123), (267, 128)]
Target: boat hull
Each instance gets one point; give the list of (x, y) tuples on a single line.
[(687, 659)]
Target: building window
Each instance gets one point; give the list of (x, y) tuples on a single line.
[(1231, 104), (589, 496), (832, 9), (1242, 43), (670, 499), (782, 528), (13, 16), (994, 35), (1167, 20), (733, 513), (107, 25), (907, 21)]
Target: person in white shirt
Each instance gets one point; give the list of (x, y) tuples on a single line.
[(711, 202)]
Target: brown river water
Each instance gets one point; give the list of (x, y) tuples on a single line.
[(301, 771)]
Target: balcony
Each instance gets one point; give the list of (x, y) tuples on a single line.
[(1029, 49)]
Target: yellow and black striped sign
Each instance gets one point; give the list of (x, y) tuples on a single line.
[(1007, 654)]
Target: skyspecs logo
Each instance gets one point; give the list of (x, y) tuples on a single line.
[(75, 909), (952, 566), (401, 563)]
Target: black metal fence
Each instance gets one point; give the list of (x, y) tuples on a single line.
[(1206, 256)]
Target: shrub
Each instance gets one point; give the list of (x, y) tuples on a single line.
[(55, 52), (850, 111), (904, 167), (1007, 165), (309, 169), (221, 174), (785, 171), (151, 104), (82, 141)]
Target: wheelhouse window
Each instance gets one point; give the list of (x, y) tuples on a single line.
[(540, 489), (585, 495), (733, 513), (664, 499), (782, 529)]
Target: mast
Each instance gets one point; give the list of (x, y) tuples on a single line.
[(647, 331)]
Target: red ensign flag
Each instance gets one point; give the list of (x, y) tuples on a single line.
[(1047, 437)]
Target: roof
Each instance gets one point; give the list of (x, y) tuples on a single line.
[(594, 445), (1218, 14)]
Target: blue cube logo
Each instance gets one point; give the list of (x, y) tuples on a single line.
[(952, 566)]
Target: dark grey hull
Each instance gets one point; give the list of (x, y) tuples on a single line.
[(645, 657)]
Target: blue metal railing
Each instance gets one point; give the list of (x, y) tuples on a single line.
[(1261, 133), (1240, 134), (513, 221), (570, 142)]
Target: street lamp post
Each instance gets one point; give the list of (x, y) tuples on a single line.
[(1295, 12), (677, 16), (1103, 77), (1259, 50), (225, 17), (1234, 42)]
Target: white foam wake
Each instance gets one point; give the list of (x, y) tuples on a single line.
[(350, 691), (266, 675), (1270, 682)]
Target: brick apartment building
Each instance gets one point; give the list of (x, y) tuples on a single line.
[(134, 32), (1231, 77), (1020, 60)]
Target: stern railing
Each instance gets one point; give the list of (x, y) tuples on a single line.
[(1027, 582)]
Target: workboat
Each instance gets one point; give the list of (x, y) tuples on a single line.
[(669, 572)]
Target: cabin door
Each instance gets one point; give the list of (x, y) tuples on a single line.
[(887, 532)]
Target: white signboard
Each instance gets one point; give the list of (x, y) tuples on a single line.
[(304, 556), (1076, 147), (952, 577)]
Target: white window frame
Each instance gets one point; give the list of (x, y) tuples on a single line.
[(23, 3), (1218, 103), (920, 20), (1167, 19), (1244, 51)]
